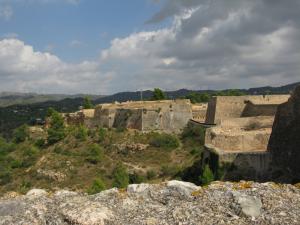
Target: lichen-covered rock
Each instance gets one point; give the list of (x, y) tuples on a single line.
[(171, 203), (284, 143)]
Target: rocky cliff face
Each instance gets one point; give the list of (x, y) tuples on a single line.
[(171, 203), (285, 141)]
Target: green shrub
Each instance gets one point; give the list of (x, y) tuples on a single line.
[(170, 171), (40, 142), (207, 176), (30, 155), (5, 175), (21, 134), (195, 151), (102, 134), (56, 132), (151, 174), (120, 176), (136, 178), (94, 154), (97, 186), (81, 133), (6, 147), (194, 131), (166, 141)]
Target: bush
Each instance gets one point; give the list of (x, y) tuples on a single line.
[(40, 142), (81, 133), (97, 186), (21, 134), (166, 141), (6, 147), (56, 132), (120, 176), (170, 171), (5, 175), (135, 178), (195, 132), (207, 176), (30, 155), (94, 154), (102, 134), (151, 174)]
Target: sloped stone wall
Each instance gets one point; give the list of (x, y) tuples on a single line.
[(284, 143)]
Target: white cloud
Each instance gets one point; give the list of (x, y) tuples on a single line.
[(6, 12), (211, 44), (23, 69)]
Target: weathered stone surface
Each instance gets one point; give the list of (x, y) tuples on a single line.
[(173, 202), (284, 143), (249, 205)]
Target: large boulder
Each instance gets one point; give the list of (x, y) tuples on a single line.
[(284, 143)]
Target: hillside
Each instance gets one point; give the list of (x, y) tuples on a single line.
[(83, 156)]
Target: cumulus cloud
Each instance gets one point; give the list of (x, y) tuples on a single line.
[(213, 44), (210, 44), (24, 69)]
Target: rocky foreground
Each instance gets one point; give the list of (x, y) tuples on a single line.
[(173, 202)]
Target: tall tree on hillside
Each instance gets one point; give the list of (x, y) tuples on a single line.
[(56, 132), (87, 104), (158, 94)]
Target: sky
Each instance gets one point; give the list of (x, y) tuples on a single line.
[(104, 47)]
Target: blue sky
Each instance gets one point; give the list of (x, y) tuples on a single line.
[(76, 31), (103, 47)]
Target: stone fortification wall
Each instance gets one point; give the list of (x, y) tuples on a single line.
[(284, 144), (128, 118), (236, 166), (167, 115), (237, 139), (252, 110), (199, 112), (249, 123), (84, 116), (224, 107)]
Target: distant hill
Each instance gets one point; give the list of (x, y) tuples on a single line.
[(15, 98), (146, 95)]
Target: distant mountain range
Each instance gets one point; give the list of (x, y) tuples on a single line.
[(134, 96)]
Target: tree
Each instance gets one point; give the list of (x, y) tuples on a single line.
[(87, 104), (198, 98), (158, 94), (21, 134), (121, 177), (94, 154), (56, 132), (207, 176)]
